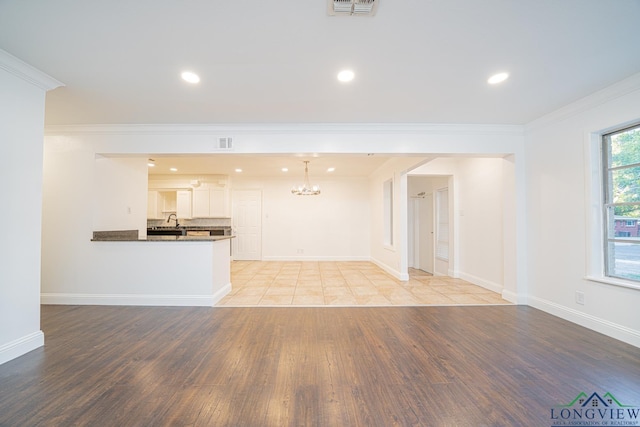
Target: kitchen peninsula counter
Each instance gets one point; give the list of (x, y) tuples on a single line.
[(128, 270), (132, 236), (165, 239)]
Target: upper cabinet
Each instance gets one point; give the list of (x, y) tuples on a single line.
[(205, 196), (161, 204), (211, 202), (153, 211), (183, 203)]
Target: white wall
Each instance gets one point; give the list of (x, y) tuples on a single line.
[(22, 95), (392, 258), (480, 212), (84, 193), (120, 194), (560, 213), (186, 273), (476, 194), (334, 225)]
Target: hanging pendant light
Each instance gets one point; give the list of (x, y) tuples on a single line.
[(306, 189)]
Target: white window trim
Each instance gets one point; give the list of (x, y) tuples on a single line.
[(594, 220)]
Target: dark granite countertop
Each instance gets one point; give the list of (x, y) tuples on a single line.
[(189, 227), (185, 238), (132, 236)]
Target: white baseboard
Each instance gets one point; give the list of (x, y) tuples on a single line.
[(395, 273), (217, 296), (23, 345), (514, 297), (613, 330), (494, 287), (131, 299), (314, 258)]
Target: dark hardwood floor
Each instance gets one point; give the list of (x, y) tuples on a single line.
[(368, 366)]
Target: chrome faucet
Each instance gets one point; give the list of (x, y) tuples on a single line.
[(176, 219)]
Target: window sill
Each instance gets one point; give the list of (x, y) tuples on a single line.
[(616, 282)]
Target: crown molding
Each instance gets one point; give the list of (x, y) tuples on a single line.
[(303, 128), (26, 72), (614, 91)]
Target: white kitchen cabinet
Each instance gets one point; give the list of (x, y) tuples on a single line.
[(167, 201), (153, 211), (183, 203), (211, 202), (201, 202), (218, 203), (161, 204)]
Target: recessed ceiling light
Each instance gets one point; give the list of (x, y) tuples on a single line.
[(190, 77), (346, 76), (498, 78), (173, 169), (238, 170), (285, 170), (331, 169)]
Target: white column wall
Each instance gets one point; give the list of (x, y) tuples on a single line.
[(394, 258), (480, 218), (560, 213), (22, 96)]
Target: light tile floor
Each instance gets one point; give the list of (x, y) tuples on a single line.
[(270, 283)]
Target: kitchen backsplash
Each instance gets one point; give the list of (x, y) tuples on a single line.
[(195, 222)]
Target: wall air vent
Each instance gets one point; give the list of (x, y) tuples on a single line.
[(352, 7), (225, 143)]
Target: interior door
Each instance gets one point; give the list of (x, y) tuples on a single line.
[(247, 225), (425, 234)]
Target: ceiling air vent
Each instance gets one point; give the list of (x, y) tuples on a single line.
[(352, 7), (225, 143)]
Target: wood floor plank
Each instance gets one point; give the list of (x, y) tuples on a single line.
[(365, 366)]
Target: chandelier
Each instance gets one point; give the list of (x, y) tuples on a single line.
[(306, 189)]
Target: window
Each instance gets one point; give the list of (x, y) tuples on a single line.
[(621, 190)]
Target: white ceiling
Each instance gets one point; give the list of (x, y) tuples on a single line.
[(346, 166), (416, 61)]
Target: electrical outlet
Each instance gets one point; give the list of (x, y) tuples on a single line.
[(300, 251), (580, 297)]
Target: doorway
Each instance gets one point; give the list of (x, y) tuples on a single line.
[(247, 225), (428, 228), (421, 232), (425, 239)]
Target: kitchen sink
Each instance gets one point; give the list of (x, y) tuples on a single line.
[(166, 232), (188, 231)]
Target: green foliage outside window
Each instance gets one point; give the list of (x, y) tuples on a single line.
[(624, 165), (621, 159)]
